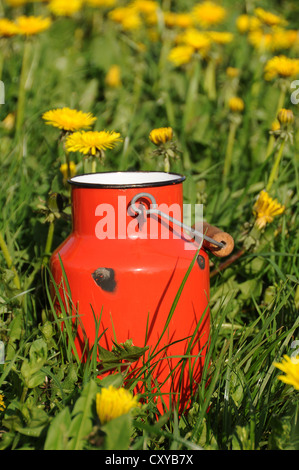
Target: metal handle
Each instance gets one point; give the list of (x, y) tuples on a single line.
[(154, 210)]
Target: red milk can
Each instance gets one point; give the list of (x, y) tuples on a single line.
[(125, 266)]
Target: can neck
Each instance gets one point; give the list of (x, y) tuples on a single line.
[(107, 213)]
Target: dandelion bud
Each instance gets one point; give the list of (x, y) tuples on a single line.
[(275, 126), (232, 72), (161, 135), (285, 116)]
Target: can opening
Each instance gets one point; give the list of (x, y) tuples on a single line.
[(126, 179)]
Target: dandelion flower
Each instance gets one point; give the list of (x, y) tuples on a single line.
[(8, 28), (113, 402), (146, 7), (220, 37), (92, 142), (101, 3), (2, 405), (290, 366), (181, 55), (112, 78), (283, 39), (265, 209), (69, 119), (281, 66), (268, 18), (31, 25), (260, 40), (232, 72), (196, 39), (127, 17), (65, 7), (179, 20), (209, 14), (161, 135), (236, 104), (246, 23)]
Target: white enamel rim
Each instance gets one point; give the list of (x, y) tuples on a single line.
[(122, 179)]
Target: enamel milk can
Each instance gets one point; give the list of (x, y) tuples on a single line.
[(133, 270)]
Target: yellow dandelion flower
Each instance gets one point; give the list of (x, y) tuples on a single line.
[(246, 23), (2, 404), (260, 40), (285, 116), (236, 104), (178, 20), (181, 55), (281, 66), (283, 39), (127, 17), (169, 18), (64, 170), (65, 7), (232, 72), (101, 3), (146, 7), (209, 14), (8, 28), (131, 22), (31, 25), (220, 37), (290, 366), (112, 78), (268, 18), (68, 119), (113, 402), (161, 135), (196, 39), (91, 142), (265, 209)]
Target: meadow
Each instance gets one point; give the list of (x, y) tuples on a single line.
[(224, 77)]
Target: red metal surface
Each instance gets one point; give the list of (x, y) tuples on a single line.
[(146, 275)]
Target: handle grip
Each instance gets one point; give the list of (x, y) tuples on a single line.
[(218, 235)]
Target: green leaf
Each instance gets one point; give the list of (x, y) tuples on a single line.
[(38, 419), (118, 433), (30, 369), (58, 432), (121, 352), (82, 416)]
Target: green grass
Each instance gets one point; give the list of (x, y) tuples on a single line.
[(48, 393)]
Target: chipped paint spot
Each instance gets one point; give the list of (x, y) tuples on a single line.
[(201, 262), (105, 278)]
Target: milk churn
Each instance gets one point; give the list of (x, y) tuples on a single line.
[(130, 264)]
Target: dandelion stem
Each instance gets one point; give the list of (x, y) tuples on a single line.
[(270, 146), (67, 158), (191, 95), (49, 242), (166, 164), (229, 150), (8, 260), (210, 80), (274, 170), (93, 165), (281, 99), (22, 87)]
